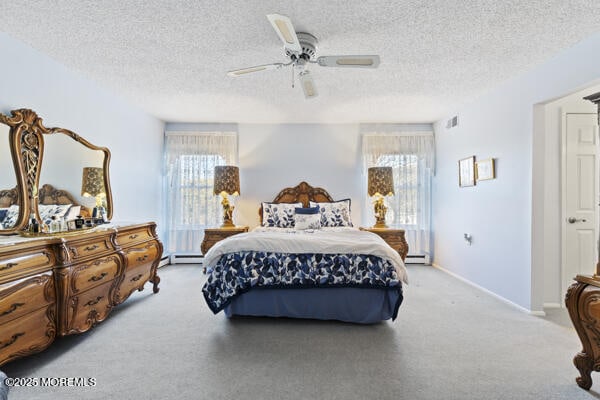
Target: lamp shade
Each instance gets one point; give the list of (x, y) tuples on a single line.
[(92, 182), (381, 181), (227, 179)]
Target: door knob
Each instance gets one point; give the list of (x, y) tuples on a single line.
[(572, 220)]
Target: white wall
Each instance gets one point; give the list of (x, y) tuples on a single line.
[(553, 114), (275, 156), (505, 215), (62, 97)]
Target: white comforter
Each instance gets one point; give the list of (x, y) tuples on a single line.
[(325, 241)]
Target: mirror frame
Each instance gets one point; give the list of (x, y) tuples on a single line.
[(26, 140)]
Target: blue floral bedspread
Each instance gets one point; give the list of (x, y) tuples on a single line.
[(236, 273)]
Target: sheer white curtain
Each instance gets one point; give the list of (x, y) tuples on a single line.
[(190, 159), (412, 157)]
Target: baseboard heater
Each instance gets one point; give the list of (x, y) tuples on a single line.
[(186, 258), (417, 259), (165, 260)]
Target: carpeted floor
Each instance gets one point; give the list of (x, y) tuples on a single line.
[(450, 341)]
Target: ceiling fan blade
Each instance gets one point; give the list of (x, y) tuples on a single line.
[(285, 30), (362, 61), (244, 71), (308, 85)]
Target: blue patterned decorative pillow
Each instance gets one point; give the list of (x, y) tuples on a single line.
[(307, 218), (279, 215), (48, 210), (11, 216), (336, 213)]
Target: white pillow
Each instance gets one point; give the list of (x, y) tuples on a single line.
[(307, 218), (336, 213), (279, 215), (48, 210)]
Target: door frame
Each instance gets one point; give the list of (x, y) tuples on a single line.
[(563, 198)]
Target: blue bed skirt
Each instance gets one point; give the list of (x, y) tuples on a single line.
[(349, 304)]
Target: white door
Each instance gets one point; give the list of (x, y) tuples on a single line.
[(581, 200)]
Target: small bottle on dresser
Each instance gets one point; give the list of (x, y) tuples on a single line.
[(34, 226)]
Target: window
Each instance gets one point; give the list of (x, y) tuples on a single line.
[(403, 206), (412, 158), (191, 205), (197, 202)]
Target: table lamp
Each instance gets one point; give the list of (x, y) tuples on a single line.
[(227, 181), (92, 185), (380, 184)]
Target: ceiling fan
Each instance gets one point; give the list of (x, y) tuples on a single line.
[(301, 49)]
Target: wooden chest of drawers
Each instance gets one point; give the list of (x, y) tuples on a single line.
[(27, 315), (65, 285)]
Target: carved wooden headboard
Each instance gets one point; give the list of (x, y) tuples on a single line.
[(303, 193), (48, 194), (8, 197)]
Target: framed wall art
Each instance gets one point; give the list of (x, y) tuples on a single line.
[(485, 169), (466, 172)]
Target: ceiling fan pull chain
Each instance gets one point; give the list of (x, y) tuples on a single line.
[(292, 77)]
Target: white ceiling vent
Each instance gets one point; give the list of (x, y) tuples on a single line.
[(452, 122)]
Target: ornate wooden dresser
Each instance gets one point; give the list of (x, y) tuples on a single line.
[(62, 285)]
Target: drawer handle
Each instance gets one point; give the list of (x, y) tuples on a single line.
[(12, 309), (140, 259), (8, 266), (97, 278), (136, 278), (91, 248), (11, 341), (131, 237), (94, 302)]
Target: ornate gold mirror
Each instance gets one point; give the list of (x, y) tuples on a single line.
[(11, 209), (55, 166)]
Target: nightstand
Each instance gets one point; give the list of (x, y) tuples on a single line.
[(213, 235), (394, 237)]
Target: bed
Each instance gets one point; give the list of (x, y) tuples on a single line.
[(335, 272)]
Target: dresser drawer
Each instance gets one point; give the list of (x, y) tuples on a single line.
[(134, 280), (15, 264), (94, 246), (93, 273), (88, 308), (141, 255), (20, 297), (134, 236), (28, 334)]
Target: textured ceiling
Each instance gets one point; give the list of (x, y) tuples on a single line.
[(170, 57)]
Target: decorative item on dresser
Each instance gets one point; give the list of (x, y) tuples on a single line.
[(393, 237), (583, 302)]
